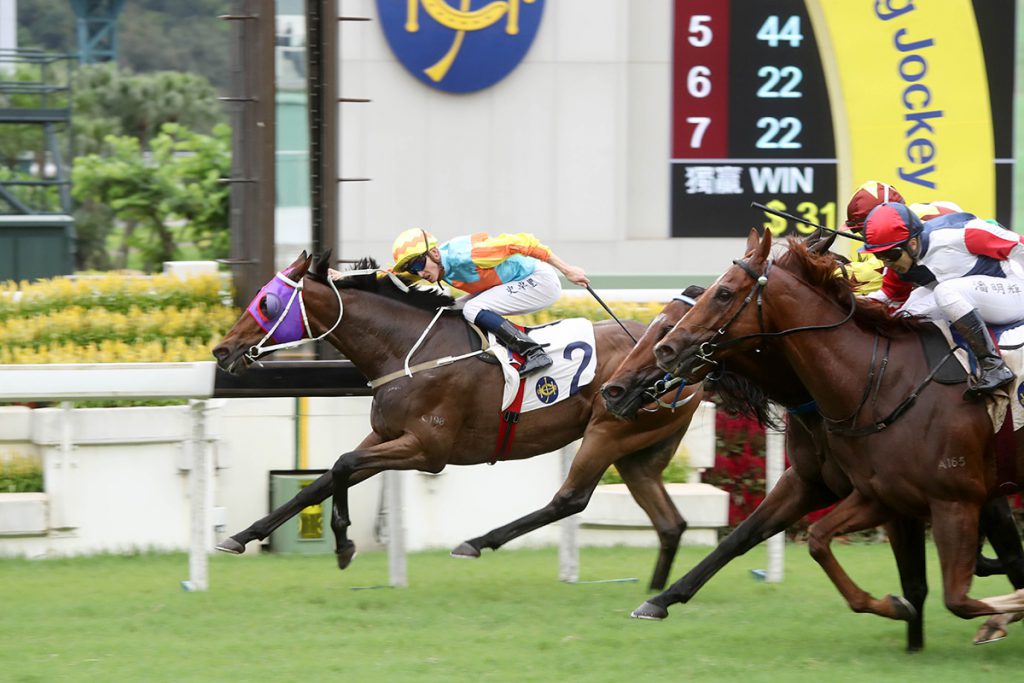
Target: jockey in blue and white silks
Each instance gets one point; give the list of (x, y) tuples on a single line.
[(969, 270)]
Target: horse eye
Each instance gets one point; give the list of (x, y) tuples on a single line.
[(723, 294), (270, 306)]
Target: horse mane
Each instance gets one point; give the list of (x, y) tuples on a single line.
[(378, 283), (819, 271)]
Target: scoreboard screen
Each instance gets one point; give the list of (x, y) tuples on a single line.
[(795, 103)]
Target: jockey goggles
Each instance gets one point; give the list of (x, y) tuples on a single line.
[(417, 264)]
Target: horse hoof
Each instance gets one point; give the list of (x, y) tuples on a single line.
[(466, 550), (989, 633), (902, 607), (650, 611), (230, 545), (995, 628), (346, 555)]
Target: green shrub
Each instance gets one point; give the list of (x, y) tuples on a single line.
[(20, 474)]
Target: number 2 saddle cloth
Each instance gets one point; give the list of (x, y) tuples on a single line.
[(570, 343)]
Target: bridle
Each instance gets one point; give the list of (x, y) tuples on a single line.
[(261, 347), (761, 282), (709, 347)]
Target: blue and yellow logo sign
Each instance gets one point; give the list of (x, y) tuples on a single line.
[(460, 49), (547, 390)]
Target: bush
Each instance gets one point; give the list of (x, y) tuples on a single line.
[(20, 474), (112, 318)]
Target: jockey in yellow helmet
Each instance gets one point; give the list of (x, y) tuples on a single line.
[(503, 275)]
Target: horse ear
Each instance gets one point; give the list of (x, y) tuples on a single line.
[(765, 247), (322, 263), (752, 240), (298, 262), (816, 245)]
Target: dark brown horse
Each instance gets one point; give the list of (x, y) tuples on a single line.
[(811, 482), (910, 447), (449, 415)]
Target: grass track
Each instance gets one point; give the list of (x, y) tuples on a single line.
[(504, 617)]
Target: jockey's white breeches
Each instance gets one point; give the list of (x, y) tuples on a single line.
[(998, 300), (529, 295)]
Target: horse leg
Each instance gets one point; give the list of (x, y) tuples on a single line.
[(572, 497), (312, 494), (906, 538), (854, 513), (641, 472), (998, 524), (790, 499), (955, 530), (403, 453)]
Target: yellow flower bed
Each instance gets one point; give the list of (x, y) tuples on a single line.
[(113, 318), (578, 307)]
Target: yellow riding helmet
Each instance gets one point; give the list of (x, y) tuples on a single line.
[(411, 243)]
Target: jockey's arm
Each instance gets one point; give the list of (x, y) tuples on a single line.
[(572, 273)]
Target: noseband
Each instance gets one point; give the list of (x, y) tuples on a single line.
[(261, 347), (758, 291)]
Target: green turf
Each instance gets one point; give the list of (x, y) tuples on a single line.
[(504, 617)]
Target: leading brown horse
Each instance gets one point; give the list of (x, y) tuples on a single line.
[(813, 480), (449, 415), (911, 447)]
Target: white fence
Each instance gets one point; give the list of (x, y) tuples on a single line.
[(117, 479)]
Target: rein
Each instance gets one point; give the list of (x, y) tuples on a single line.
[(667, 382), (409, 371), (259, 348), (761, 282), (709, 347)]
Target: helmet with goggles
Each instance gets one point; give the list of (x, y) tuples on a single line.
[(888, 228), (409, 246)]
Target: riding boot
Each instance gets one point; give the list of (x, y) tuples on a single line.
[(992, 371), (515, 340)]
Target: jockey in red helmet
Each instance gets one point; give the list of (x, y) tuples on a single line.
[(972, 268)]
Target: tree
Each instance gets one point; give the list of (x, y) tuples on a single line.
[(169, 203), (113, 101)]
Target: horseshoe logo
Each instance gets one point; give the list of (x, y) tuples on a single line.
[(440, 27)]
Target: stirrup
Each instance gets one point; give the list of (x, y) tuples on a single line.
[(987, 385), (538, 361)]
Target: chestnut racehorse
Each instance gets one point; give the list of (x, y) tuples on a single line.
[(911, 447), (449, 415), (811, 482)]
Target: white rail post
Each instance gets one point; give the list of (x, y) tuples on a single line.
[(568, 547), (201, 493), (397, 574), (775, 459)]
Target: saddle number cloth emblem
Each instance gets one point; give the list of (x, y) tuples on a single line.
[(570, 344)]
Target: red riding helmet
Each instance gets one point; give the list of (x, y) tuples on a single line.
[(890, 225), (868, 196)]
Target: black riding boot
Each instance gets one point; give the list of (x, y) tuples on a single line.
[(519, 342), (992, 371)]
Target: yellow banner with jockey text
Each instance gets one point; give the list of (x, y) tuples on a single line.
[(910, 100)]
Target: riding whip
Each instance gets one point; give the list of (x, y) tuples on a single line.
[(605, 307), (783, 214)]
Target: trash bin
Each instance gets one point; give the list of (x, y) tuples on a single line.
[(309, 532)]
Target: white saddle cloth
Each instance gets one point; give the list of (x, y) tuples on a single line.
[(570, 343), (1014, 359)]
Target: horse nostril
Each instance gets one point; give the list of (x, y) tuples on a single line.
[(612, 391), (664, 351), (220, 353)]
